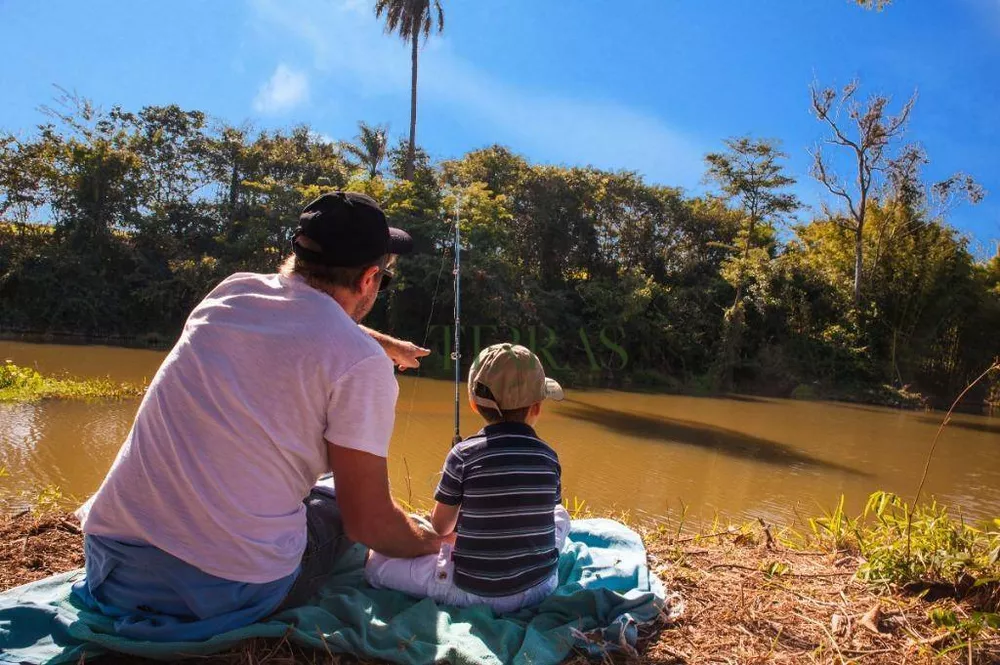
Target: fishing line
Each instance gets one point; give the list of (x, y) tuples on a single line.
[(427, 333)]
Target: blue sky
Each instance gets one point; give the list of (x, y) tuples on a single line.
[(648, 85)]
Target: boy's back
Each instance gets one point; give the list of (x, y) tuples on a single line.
[(500, 495), (507, 481)]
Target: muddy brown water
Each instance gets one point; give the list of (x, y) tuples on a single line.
[(655, 456)]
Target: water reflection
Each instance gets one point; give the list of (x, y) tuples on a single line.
[(68, 444), (18, 427)]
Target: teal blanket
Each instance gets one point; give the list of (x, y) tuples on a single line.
[(605, 590)]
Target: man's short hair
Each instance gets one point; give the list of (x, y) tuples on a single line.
[(323, 276)]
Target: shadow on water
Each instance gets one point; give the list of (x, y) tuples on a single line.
[(690, 433), (985, 428)]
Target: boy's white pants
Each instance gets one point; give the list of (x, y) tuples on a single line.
[(432, 576)]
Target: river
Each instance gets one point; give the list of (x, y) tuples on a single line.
[(655, 456)]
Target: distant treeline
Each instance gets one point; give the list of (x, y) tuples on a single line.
[(616, 281)]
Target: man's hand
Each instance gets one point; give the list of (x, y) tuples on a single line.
[(405, 355)]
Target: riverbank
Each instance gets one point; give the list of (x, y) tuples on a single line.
[(842, 591)]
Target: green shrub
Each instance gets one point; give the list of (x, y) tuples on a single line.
[(804, 391), (23, 384), (918, 551), (13, 377), (938, 548)]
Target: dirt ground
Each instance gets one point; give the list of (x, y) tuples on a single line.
[(747, 600)]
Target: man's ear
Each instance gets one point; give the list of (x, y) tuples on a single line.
[(474, 407), (367, 277)]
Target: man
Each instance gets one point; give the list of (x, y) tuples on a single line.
[(208, 518)]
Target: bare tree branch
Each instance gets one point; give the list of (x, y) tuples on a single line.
[(874, 133)]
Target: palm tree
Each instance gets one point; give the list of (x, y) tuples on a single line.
[(369, 149), (410, 19)]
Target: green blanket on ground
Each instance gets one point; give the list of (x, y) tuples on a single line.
[(605, 587)]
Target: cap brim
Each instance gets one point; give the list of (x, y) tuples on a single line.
[(400, 241), (553, 390)]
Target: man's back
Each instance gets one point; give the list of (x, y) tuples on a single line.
[(230, 435), (508, 482)]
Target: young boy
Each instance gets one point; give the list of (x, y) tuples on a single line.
[(500, 493)]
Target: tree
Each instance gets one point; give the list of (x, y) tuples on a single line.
[(23, 165), (410, 19), (95, 174), (869, 145), (369, 150), (501, 170), (398, 158), (750, 173)]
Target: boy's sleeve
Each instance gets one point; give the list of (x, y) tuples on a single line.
[(449, 490), (558, 484)]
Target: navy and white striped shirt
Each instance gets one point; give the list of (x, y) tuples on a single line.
[(507, 481)]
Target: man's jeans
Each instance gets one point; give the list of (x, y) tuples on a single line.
[(325, 544)]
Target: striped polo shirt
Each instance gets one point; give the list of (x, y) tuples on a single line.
[(507, 481)]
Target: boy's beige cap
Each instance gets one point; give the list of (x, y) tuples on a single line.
[(509, 376)]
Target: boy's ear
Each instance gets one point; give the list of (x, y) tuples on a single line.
[(536, 409), (474, 406)]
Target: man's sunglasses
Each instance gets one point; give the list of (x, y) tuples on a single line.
[(386, 280)]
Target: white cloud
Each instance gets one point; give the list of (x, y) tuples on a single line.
[(286, 89), (348, 45), (570, 130)]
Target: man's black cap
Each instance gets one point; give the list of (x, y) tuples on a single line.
[(350, 231)]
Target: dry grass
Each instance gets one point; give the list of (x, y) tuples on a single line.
[(749, 599)]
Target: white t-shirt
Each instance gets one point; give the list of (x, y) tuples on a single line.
[(230, 435)]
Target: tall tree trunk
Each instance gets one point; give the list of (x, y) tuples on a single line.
[(234, 183), (734, 322), (411, 151), (858, 250)]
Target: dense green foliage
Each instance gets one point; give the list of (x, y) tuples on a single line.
[(613, 280)]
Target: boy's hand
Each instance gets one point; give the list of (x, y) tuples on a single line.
[(450, 538), (444, 518)]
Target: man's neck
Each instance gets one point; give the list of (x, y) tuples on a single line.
[(341, 295)]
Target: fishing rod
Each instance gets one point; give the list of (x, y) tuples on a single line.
[(456, 354)]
